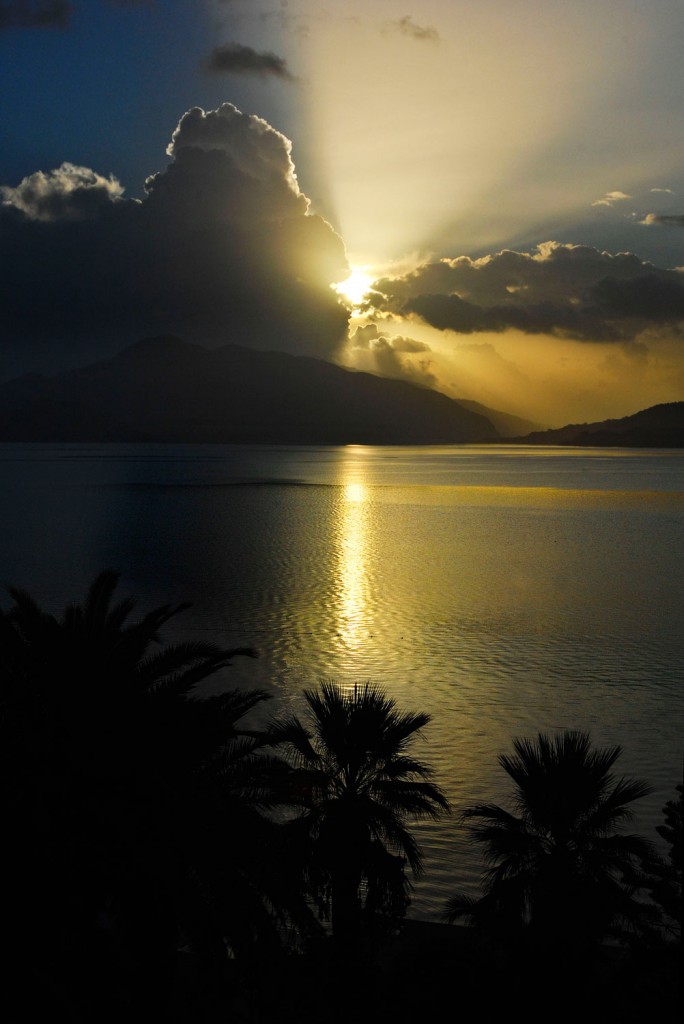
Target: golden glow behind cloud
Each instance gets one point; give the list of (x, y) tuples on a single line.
[(455, 129), (550, 381), (466, 139), (354, 287)]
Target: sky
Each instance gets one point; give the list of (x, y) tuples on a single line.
[(503, 181)]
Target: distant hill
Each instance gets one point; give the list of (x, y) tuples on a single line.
[(165, 389), (660, 426), (506, 424)]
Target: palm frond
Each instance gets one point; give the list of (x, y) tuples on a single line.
[(290, 732), (564, 848), (364, 788), (27, 617), (180, 667), (460, 906), (414, 799)]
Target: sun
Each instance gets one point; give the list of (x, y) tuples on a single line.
[(355, 287)]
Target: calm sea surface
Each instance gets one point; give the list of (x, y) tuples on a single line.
[(505, 590)]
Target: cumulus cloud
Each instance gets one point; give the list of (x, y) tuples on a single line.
[(67, 193), (400, 344), (375, 352), (223, 248), (423, 33), (366, 335), (569, 291), (35, 14), (611, 197), (230, 166), (236, 59)]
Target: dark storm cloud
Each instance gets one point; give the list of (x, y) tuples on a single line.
[(423, 33), (565, 290), (236, 59), (652, 298), (34, 14), (449, 312), (222, 249)]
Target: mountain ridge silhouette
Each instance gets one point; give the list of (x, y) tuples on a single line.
[(166, 389)]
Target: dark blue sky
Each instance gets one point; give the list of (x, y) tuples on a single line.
[(107, 90)]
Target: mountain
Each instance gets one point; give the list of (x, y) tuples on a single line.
[(506, 424), (660, 426), (165, 389)]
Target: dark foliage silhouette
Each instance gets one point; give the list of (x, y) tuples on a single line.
[(135, 812), (361, 787), (562, 873), (664, 875)]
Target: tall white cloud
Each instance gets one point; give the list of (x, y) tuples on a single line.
[(224, 248)]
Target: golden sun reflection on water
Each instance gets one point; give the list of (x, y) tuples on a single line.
[(351, 572)]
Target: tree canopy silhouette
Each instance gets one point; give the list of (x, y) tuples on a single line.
[(136, 811), (361, 787), (664, 876), (562, 872)]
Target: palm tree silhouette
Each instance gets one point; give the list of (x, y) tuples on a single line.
[(664, 875), (360, 787), (562, 872), (137, 812)]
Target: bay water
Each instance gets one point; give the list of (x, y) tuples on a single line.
[(505, 590)]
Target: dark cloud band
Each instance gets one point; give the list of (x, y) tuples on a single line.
[(34, 14), (564, 290), (673, 220), (423, 33), (236, 59)]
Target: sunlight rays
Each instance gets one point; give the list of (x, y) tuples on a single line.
[(462, 152)]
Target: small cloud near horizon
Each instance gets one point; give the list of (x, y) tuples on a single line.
[(376, 352), (49, 14), (675, 220), (35, 14), (406, 26), (612, 197), (236, 59)]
